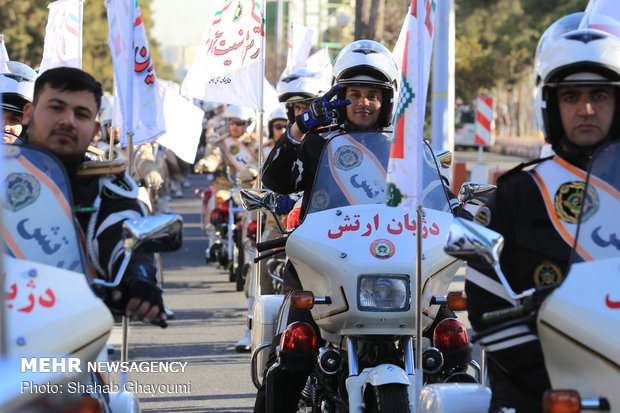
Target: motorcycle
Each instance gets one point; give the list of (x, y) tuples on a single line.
[(53, 305), (573, 318), (225, 224), (356, 257)]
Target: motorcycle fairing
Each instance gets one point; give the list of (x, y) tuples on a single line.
[(38, 222), (578, 322), (349, 232), (352, 171), (46, 307)]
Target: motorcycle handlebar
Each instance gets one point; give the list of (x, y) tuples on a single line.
[(493, 318), (268, 254), (271, 244)]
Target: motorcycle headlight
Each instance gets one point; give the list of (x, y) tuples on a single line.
[(383, 293)]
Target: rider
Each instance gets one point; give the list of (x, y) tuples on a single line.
[(365, 80), (229, 155), (577, 71), (62, 120), (16, 88), (298, 90)]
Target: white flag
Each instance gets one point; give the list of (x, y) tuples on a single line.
[(320, 61), (184, 125), (4, 56), (141, 101), (229, 65), (299, 45), (404, 177), (63, 35)]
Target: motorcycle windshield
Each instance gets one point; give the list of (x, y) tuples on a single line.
[(38, 222), (598, 233), (352, 171)]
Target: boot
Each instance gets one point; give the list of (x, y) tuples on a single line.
[(243, 345)]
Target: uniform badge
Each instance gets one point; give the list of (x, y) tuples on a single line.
[(382, 249), (234, 149), (21, 190), (348, 157), (547, 273), (320, 199), (483, 216), (567, 202)]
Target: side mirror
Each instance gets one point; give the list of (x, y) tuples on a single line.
[(470, 190), (149, 234), (444, 157), (253, 199), (469, 240), (153, 234)]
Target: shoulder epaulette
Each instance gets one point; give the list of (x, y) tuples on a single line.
[(521, 167), (99, 168)]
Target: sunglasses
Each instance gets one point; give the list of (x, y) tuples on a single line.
[(279, 126), (238, 123)]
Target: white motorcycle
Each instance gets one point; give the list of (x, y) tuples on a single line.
[(52, 307), (356, 259), (577, 320)]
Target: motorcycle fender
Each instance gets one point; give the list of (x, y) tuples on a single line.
[(454, 398), (386, 374)]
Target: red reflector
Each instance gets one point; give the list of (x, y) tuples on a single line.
[(299, 337), (292, 219), (450, 334), (217, 214), (252, 228), (561, 401)]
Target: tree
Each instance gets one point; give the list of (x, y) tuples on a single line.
[(369, 19)]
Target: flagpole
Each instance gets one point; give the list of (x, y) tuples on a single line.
[(129, 99), (261, 112), (80, 31), (418, 201)]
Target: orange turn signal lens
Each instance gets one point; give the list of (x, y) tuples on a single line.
[(457, 301), (302, 300), (561, 401)]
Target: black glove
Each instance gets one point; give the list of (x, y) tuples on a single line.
[(321, 111), (139, 282)]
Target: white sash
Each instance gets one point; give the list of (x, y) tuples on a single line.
[(561, 185), (356, 170), (237, 153), (38, 222)]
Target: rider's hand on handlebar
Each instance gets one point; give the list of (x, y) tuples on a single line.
[(139, 295), (153, 179), (284, 205), (139, 309), (320, 112)]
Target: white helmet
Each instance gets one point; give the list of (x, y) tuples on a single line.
[(368, 63), (241, 112), (278, 113), (17, 86), (302, 85), (580, 49)]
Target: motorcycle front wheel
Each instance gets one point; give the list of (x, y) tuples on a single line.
[(387, 398)]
